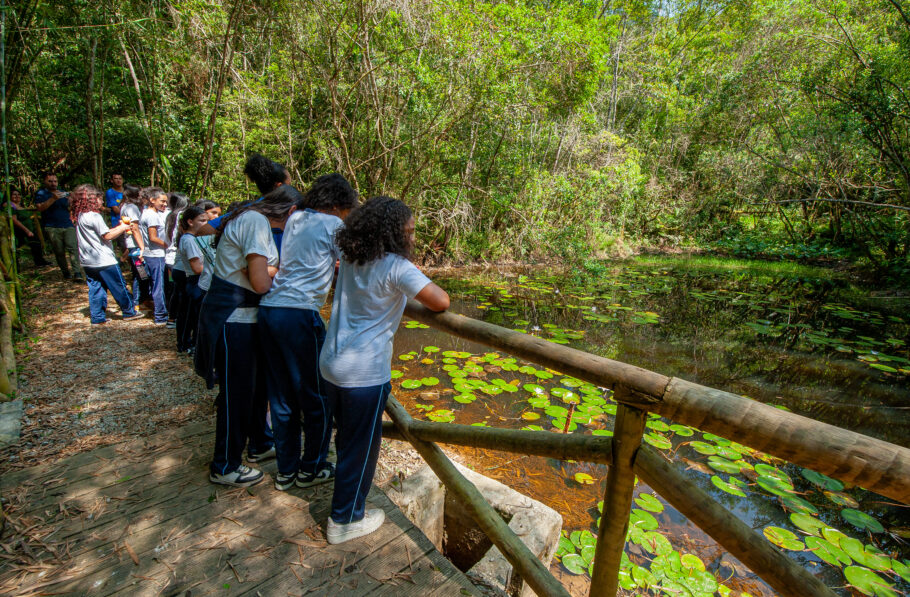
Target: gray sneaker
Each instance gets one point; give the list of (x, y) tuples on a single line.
[(285, 482), (244, 476), (339, 533), (262, 456)]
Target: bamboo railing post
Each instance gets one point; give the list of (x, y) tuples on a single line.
[(614, 520), (531, 569)]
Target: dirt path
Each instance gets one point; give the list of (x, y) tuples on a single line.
[(87, 386)]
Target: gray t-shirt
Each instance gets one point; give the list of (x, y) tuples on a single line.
[(151, 218), (94, 251), (131, 211), (248, 234), (308, 256), (189, 249), (208, 252), (366, 311)]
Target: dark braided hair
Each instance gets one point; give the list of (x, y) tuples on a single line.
[(265, 173), (375, 229), (330, 191), (275, 205)]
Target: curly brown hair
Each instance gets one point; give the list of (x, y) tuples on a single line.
[(83, 199), (375, 229)]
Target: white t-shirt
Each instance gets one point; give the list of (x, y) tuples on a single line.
[(131, 211), (248, 234), (366, 311), (151, 218), (94, 251), (308, 256)]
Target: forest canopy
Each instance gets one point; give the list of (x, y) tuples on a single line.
[(520, 130)]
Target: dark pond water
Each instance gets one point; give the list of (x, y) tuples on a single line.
[(801, 339)]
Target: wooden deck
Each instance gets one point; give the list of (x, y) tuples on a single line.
[(141, 518)]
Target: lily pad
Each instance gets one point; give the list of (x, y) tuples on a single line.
[(658, 441), (841, 499), (643, 520), (704, 448), (584, 478), (530, 416), (396, 374), (783, 538), (411, 384), (649, 502), (823, 481), (827, 551), (808, 524), (657, 425), (866, 555), (429, 381), (774, 485), (656, 543), (682, 430), (797, 504), (861, 520), (723, 465), (574, 563), (441, 416), (724, 486), (602, 433), (465, 398), (868, 582)]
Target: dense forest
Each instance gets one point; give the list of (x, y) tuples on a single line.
[(516, 129)]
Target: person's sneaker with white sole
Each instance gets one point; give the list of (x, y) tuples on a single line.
[(325, 474), (339, 533), (285, 482), (243, 476), (262, 456)]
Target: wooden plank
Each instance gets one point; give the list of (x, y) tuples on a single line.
[(614, 522), (79, 466), (784, 575), (130, 470), (538, 443), (525, 563)]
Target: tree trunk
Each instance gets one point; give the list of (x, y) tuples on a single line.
[(90, 114)]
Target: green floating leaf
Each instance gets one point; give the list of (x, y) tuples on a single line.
[(841, 499), (584, 478), (809, 524), (861, 520), (724, 486), (868, 582), (827, 551), (657, 425), (602, 433), (867, 555), (565, 546), (429, 381), (441, 416), (574, 563), (774, 485), (530, 416), (465, 398), (728, 453), (658, 441), (723, 465), (682, 430), (396, 374), (901, 568), (692, 562), (643, 520), (411, 384), (649, 502), (656, 543), (431, 349), (822, 481), (797, 504), (705, 448), (783, 538)]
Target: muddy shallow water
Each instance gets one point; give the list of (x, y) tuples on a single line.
[(814, 345)]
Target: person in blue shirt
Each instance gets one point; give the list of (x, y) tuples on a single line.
[(53, 203), (113, 196)]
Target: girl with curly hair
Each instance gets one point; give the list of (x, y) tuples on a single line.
[(292, 333), (375, 280), (227, 347), (96, 254)]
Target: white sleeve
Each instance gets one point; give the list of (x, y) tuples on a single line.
[(407, 278)]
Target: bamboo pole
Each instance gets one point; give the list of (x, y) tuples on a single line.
[(531, 569), (871, 463), (614, 520), (783, 574), (537, 443)]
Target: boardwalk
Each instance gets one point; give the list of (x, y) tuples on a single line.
[(141, 518)]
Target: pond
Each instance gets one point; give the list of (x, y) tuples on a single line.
[(804, 339)]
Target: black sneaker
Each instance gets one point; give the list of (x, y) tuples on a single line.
[(244, 476), (325, 474)]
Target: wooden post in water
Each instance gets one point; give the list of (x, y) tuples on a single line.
[(531, 569), (614, 520)]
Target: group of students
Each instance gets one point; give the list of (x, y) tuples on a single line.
[(251, 288)]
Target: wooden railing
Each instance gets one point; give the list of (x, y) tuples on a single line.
[(870, 463)]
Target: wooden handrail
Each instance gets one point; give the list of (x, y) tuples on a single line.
[(783, 574), (852, 457)]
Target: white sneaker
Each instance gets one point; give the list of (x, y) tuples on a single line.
[(339, 533), (244, 476)]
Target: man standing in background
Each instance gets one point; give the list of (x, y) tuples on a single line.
[(112, 198), (54, 206)]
